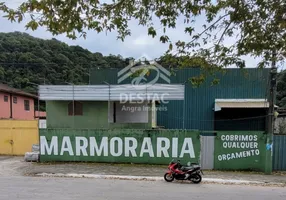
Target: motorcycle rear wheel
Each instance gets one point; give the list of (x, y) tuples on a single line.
[(196, 178), (169, 177)]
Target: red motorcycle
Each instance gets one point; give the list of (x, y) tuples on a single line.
[(177, 171)]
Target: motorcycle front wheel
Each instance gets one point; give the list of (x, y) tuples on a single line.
[(169, 177), (196, 178)]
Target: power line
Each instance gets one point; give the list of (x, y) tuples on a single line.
[(219, 120), (14, 63), (188, 119)]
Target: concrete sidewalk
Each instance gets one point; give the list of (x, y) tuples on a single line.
[(124, 170), (144, 171)]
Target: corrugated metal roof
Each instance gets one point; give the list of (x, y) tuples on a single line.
[(128, 92), (8, 89), (240, 103), (239, 100), (243, 104)]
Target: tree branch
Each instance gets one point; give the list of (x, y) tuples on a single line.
[(226, 28), (208, 28), (113, 6)]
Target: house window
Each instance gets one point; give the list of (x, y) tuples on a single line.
[(14, 99), (78, 110), (5, 98), (27, 105)]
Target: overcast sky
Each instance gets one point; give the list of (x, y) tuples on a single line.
[(136, 45)]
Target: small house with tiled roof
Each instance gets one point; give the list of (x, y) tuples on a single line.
[(16, 104)]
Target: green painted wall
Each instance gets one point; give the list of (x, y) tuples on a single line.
[(240, 150), (95, 115), (67, 144)]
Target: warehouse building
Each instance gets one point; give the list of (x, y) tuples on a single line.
[(238, 102)]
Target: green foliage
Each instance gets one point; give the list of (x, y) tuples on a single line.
[(258, 27), (281, 89), (208, 70), (250, 27), (26, 61)]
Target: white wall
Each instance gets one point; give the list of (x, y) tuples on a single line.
[(128, 112), (42, 123)]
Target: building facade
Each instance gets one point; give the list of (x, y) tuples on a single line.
[(238, 102), (16, 104), (105, 106), (246, 89), (89, 115), (225, 122)]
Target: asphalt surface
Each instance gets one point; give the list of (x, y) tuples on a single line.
[(35, 188), (5, 157), (16, 166)]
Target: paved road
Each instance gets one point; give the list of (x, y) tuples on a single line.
[(11, 166), (35, 188), (5, 157)]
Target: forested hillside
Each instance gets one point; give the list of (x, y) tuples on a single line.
[(25, 59)]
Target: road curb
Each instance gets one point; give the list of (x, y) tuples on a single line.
[(149, 178)]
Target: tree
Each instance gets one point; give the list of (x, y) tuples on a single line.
[(259, 26), (2, 73), (281, 89), (41, 61)]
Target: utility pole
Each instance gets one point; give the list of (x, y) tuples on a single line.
[(38, 93), (271, 118), (73, 102), (184, 106), (108, 103)]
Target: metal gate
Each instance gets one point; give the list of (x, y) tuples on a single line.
[(207, 152), (18, 136), (279, 153)]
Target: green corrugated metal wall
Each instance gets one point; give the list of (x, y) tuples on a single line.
[(199, 102), (279, 153)]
